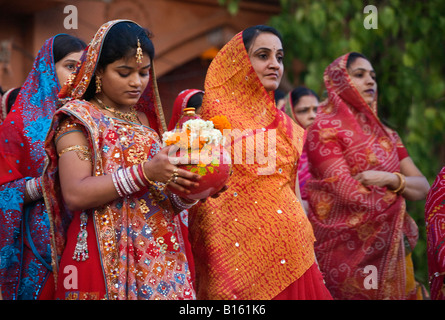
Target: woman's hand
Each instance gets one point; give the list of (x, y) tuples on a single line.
[(216, 195), (416, 187), (161, 169), (378, 178)]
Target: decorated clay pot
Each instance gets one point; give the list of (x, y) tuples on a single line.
[(214, 168)]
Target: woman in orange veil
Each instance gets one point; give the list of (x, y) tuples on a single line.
[(254, 241)]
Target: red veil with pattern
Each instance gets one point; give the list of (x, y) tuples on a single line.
[(179, 105), (435, 230), (135, 244), (357, 228)]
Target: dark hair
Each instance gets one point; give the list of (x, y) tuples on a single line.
[(352, 57), (279, 95), (195, 101), (11, 99), (120, 42), (65, 44), (300, 92), (251, 33)]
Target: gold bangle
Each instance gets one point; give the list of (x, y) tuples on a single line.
[(402, 185), (145, 175)]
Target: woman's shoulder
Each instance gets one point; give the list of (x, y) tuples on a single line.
[(81, 108)]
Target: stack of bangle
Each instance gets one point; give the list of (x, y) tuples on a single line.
[(34, 188), (402, 185), (179, 204), (131, 180)]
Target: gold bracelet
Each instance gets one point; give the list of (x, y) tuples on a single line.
[(145, 175), (402, 185), (155, 184)]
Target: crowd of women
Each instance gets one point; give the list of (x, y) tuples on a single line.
[(84, 177)]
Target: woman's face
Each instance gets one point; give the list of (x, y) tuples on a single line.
[(124, 81), (306, 110), (266, 56), (364, 79), (66, 66)]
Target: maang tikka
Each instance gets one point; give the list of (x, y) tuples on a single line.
[(139, 54)]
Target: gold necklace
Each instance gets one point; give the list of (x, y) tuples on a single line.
[(130, 116)]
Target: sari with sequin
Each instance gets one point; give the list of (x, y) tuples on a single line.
[(25, 252), (435, 230), (135, 246), (254, 240), (361, 231)]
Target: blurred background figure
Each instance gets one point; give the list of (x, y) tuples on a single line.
[(24, 226), (301, 105)]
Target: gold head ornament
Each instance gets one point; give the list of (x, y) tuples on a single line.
[(139, 54)]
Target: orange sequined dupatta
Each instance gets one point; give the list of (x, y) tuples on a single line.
[(359, 229), (254, 240)]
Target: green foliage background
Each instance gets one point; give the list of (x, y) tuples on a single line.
[(407, 53)]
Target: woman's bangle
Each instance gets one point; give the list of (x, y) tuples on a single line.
[(402, 184), (34, 188), (179, 204), (132, 179)]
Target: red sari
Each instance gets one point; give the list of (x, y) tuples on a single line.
[(25, 252), (178, 108), (135, 245), (179, 105), (435, 230), (356, 227)]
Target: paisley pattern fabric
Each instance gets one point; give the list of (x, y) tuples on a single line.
[(25, 254), (254, 240), (435, 230), (139, 243), (356, 227)]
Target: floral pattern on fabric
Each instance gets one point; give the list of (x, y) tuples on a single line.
[(24, 229)]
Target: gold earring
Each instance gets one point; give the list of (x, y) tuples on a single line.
[(98, 84)]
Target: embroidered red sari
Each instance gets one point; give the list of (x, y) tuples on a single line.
[(435, 230), (136, 249), (356, 227), (253, 241)]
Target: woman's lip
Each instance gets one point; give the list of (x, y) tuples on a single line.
[(370, 91), (134, 93)]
